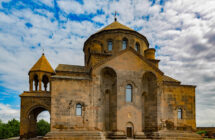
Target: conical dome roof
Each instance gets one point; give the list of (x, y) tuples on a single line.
[(42, 65), (116, 25)]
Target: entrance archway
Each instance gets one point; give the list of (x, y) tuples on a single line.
[(129, 130), (32, 120), (29, 116)]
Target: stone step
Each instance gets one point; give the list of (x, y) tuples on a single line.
[(97, 135), (75, 135)]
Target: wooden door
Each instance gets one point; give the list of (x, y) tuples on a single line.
[(129, 132)]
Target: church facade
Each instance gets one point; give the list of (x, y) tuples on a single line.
[(119, 93)]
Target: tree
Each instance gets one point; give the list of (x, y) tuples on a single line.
[(4, 131), (13, 126), (10, 129), (43, 127)]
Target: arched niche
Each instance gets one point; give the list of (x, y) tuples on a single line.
[(96, 48), (149, 104), (109, 90)]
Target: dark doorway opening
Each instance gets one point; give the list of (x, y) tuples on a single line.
[(129, 132)]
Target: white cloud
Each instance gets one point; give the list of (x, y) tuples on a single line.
[(7, 113), (71, 7), (44, 115), (89, 7), (48, 2)]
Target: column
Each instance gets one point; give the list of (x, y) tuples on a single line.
[(30, 84), (40, 84)]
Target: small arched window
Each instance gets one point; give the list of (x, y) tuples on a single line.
[(78, 109), (36, 82), (137, 47), (124, 43), (179, 113), (128, 93), (45, 81), (110, 45)]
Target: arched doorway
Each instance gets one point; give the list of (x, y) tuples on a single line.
[(31, 120), (129, 130)]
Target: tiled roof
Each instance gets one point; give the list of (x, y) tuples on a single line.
[(71, 68), (116, 25), (169, 79), (42, 65)]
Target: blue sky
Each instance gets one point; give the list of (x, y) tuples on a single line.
[(183, 32)]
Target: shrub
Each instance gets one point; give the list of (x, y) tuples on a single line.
[(9, 129), (202, 132), (43, 127), (13, 126)]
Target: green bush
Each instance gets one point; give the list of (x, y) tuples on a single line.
[(11, 128), (202, 132), (43, 127)]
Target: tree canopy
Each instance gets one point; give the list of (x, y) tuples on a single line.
[(43, 127), (11, 128)]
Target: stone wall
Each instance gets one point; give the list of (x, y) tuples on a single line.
[(66, 94), (129, 69), (32, 103), (180, 96)]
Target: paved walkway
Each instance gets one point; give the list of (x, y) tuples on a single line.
[(17, 138)]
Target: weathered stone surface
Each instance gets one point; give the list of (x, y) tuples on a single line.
[(99, 88)]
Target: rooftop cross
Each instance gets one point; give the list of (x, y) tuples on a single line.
[(43, 51), (115, 19)]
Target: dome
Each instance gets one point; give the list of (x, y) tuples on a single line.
[(113, 39)]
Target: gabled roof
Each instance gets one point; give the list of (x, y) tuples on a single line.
[(135, 52), (116, 25), (42, 65)]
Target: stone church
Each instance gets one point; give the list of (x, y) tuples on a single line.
[(119, 93)]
